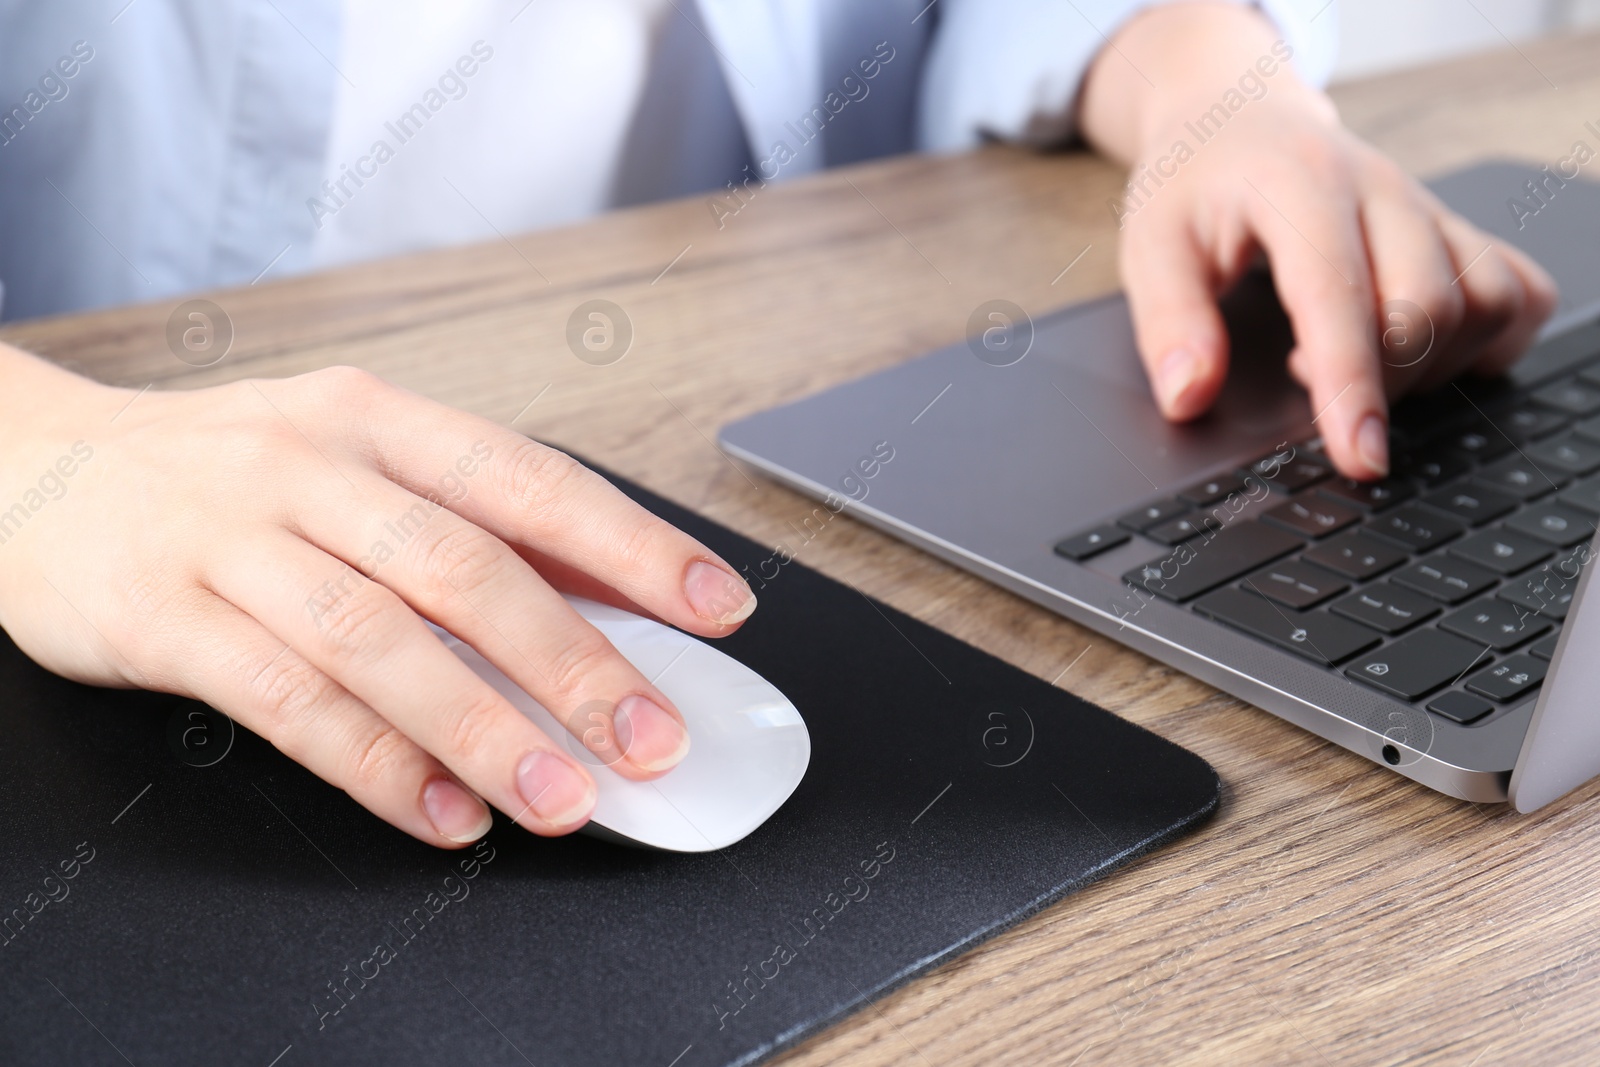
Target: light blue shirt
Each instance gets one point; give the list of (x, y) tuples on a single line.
[(156, 147)]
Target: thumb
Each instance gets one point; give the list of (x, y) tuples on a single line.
[(1180, 332)]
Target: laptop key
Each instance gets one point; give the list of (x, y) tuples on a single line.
[(1568, 454), (1294, 584), (1385, 607), (1417, 664), (1369, 496), (1152, 514), (1356, 555), (1313, 516), (1430, 465), (1460, 707), (1498, 624), (1481, 441), (1543, 591), (1584, 494), (1316, 636), (1191, 569), (1502, 551), (1571, 396), (1290, 477), (1589, 427), (1446, 579), (1471, 504), (1213, 489), (1176, 531), (1415, 527), (1509, 679), (1519, 478), (1091, 543), (1530, 424), (1554, 523), (1545, 647)]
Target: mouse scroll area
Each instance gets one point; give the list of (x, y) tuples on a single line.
[(749, 747)]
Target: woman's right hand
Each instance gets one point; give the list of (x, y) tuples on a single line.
[(273, 548)]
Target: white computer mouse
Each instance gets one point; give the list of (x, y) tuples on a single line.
[(748, 748)]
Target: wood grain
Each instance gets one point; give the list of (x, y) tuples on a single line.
[(1334, 912)]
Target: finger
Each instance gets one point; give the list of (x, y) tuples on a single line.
[(259, 681), (1319, 264), (529, 494), (1521, 291), (1181, 336), (1420, 311), (472, 584), (369, 642)]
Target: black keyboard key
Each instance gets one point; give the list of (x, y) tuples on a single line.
[(1571, 396), (1589, 428), (1519, 478), (1091, 543), (1295, 584), (1530, 424), (1152, 514), (1544, 591), (1316, 636), (1568, 454), (1355, 555), (1313, 516), (1501, 551), (1213, 489), (1545, 647), (1585, 495), (1179, 530), (1553, 522), (1472, 504), (1416, 527), (1369, 496), (1430, 465), (1191, 569), (1417, 664), (1495, 623), (1509, 679), (1458, 706), (1385, 607), (1446, 579), (1481, 441)]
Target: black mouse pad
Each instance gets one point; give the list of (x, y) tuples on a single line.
[(179, 892)]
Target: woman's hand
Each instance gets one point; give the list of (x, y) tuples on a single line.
[(1231, 154), (273, 547)]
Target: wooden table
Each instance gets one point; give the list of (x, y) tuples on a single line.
[(1334, 912)]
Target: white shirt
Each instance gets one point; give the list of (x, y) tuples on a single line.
[(190, 145)]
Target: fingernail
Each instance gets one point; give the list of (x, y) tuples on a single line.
[(650, 738), (1372, 445), (455, 813), (557, 791), (1179, 372), (717, 595)]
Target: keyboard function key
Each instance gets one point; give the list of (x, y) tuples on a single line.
[(1313, 516), (1460, 707), (1416, 527), (1498, 624), (1509, 679), (1091, 543), (1295, 585), (1471, 504), (1386, 607), (1502, 551), (1355, 555), (1152, 514), (1314, 635), (1417, 664), (1213, 489)]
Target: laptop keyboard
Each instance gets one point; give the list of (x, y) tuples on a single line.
[(1443, 585)]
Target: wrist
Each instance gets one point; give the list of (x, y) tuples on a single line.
[(39, 399)]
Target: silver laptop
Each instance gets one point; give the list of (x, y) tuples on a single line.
[(1434, 622)]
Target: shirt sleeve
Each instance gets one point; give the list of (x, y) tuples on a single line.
[(1012, 69)]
